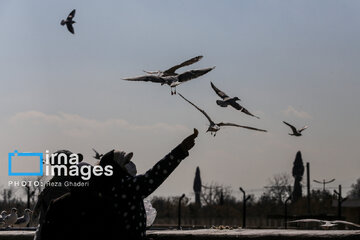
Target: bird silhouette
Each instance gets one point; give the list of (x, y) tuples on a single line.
[(97, 155), (230, 101), (174, 80), (214, 127), (69, 22), (296, 132)]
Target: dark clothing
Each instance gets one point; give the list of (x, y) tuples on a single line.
[(111, 208), (50, 193)]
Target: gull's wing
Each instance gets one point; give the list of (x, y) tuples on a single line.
[(291, 126), (203, 112), (186, 76), (171, 71), (219, 92), (346, 223), (70, 28), (244, 110), (307, 221), (238, 106), (236, 125), (146, 78), (317, 181), (97, 155), (20, 220), (305, 127), (96, 152), (151, 72), (71, 15)]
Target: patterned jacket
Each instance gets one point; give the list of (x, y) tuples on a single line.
[(112, 207)]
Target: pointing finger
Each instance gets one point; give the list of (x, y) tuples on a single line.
[(196, 133)]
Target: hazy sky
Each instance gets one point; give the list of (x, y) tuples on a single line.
[(287, 60)]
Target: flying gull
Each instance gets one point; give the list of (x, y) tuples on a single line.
[(24, 220), (97, 155), (229, 101), (11, 218), (296, 132), (328, 224), (171, 71), (172, 81), (214, 127), (69, 22)]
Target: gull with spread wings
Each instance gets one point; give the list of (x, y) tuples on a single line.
[(296, 132), (230, 101), (324, 224), (172, 71), (172, 81), (214, 127), (69, 22)]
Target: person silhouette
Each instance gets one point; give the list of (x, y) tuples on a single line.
[(53, 191), (112, 207)]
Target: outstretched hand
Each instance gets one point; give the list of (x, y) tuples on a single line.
[(122, 158), (189, 142)]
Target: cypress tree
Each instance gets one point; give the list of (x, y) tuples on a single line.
[(297, 172), (197, 187)]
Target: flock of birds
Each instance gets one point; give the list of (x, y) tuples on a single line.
[(173, 79), (12, 219)]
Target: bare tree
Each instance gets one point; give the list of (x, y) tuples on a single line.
[(355, 190), (32, 189), (9, 198), (8, 194), (279, 187), (215, 194)]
